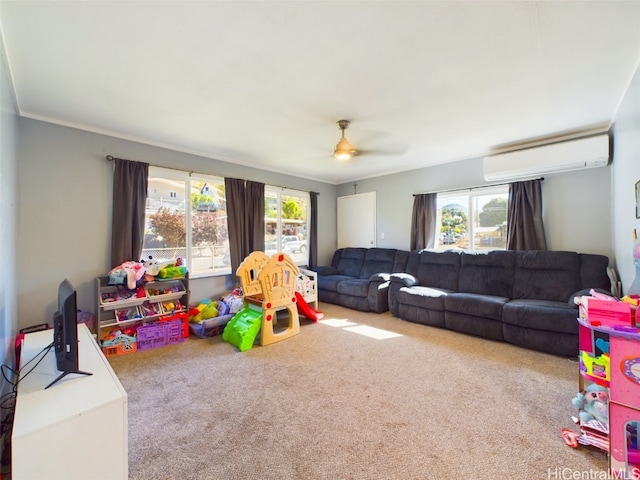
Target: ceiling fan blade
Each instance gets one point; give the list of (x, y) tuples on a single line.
[(383, 144)]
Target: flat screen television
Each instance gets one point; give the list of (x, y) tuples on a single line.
[(65, 332)]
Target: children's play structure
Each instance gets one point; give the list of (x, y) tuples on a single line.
[(269, 286)]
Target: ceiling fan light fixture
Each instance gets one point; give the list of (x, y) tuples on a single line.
[(344, 150)]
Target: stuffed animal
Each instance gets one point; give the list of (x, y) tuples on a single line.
[(127, 273), (172, 271), (151, 267), (593, 404)]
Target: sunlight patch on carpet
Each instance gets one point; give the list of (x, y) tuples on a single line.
[(337, 322), (373, 332)]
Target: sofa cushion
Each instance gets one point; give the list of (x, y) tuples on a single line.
[(400, 261), (476, 305), (351, 261), (593, 271), (331, 282), (378, 260), (434, 318), (488, 273), (355, 287), (556, 343), (546, 275), (438, 269), (423, 297), (465, 323), (541, 315)]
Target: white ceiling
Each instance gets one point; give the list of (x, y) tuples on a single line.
[(262, 83)]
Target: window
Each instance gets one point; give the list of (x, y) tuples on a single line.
[(474, 220), (186, 217), (286, 223)]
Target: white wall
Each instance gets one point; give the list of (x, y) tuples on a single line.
[(65, 191), (626, 131), (8, 222), (571, 200)]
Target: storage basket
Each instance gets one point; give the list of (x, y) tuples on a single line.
[(181, 317), (211, 326), (120, 349), (156, 335), (173, 331), (151, 336), (165, 291)]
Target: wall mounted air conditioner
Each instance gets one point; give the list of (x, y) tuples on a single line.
[(588, 152)]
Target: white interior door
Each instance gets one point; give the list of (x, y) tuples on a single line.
[(357, 220)]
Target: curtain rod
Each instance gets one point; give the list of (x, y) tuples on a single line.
[(473, 188), (191, 172)]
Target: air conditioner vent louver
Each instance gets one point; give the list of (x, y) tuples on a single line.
[(589, 152)]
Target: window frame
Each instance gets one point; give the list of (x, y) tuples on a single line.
[(190, 178), (300, 258), (472, 228)]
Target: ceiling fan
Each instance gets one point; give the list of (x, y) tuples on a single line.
[(344, 150), (379, 144)]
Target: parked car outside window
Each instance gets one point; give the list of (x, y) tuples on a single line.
[(294, 243), (271, 248)]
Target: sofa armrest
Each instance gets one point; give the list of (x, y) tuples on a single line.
[(406, 279), (379, 277), (585, 292), (326, 270)]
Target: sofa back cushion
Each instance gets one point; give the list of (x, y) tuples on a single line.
[(593, 271), (400, 262), (435, 269), (349, 261), (489, 273), (378, 260), (546, 275)]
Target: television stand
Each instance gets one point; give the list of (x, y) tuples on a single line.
[(78, 429), (64, 374)]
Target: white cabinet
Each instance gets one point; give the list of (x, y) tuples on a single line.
[(76, 429)]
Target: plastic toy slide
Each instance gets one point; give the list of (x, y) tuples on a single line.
[(243, 328), (305, 309)]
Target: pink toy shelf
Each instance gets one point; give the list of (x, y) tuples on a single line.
[(610, 357)]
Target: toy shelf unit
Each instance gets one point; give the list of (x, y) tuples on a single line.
[(155, 302), (610, 409)]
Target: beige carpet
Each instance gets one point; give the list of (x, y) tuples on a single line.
[(335, 402)]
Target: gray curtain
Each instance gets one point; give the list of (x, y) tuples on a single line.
[(524, 216), (312, 238), (423, 221), (245, 218), (127, 217), (254, 217), (234, 193)]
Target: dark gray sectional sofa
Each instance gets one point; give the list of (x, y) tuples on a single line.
[(358, 278), (521, 297)]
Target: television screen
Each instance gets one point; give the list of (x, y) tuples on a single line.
[(65, 332)]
